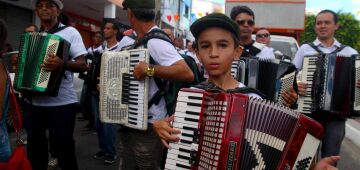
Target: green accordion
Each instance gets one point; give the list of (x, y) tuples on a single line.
[(34, 50)]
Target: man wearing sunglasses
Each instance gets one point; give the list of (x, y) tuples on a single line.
[(245, 19), (263, 37)]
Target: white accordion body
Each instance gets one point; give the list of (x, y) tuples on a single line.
[(123, 100)]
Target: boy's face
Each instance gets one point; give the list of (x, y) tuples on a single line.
[(216, 51)]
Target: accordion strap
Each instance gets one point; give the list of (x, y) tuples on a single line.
[(316, 48), (247, 90), (55, 29), (16, 113)]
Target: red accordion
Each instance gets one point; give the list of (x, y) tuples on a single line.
[(236, 131)]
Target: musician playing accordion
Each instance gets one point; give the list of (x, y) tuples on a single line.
[(326, 24), (244, 17), (142, 149), (57, 114)]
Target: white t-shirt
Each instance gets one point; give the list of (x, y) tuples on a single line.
[(67, 93), (125, 42), (92, 50), (266, 52), (163, 54), (104, 47), (307, 50)]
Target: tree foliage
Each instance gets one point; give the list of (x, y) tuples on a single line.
[(348, 33)]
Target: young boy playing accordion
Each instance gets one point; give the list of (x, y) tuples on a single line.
[(217, 44)]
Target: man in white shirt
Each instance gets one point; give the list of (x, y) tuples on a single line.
[(105, 131), (325, 27), (143, 149), (57, 114)]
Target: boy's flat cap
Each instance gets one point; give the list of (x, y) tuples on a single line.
[(214, 20), (147, 4)]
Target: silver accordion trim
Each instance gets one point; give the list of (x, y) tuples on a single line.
[(116, 105)]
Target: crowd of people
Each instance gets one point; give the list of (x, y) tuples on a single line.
[(219, 40)]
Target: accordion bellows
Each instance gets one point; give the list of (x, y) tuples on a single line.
[(34, 50), (123, 100), (271, 76), (236, 131)]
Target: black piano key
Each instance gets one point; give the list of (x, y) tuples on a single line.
[(183, 157), (192, 113), (185, 141), (133, 123), (187, 135), (195, 97), (182, 166), (184, 150), (188, 128), (132, 113), (131, 118), (191, 119), (194, 104), (132, 108)]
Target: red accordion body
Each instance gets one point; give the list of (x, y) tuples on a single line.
[(235, 131)]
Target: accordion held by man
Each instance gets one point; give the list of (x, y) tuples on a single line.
[(123, 100), (91, 76), (34, 50), (233, 131), (331, 85), (271, 77)]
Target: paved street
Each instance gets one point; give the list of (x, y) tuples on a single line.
[(86, 147)]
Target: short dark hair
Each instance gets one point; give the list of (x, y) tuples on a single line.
[(114, 23), (144, 14), (32, 25), (3, 33), (335, 17), (235, 11)]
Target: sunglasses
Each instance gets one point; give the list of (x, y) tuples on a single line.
[(249, 22), (262, 35)]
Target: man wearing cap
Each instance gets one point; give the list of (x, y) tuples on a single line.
[(143, 149), (57, 114)]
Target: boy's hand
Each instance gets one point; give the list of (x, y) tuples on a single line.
[(52, 63), (327, 163), (302, 88), (290, 97), (140, 70), (165, 131)]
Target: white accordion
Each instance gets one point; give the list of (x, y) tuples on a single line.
[(123, 99)]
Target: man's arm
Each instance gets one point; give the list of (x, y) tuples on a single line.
[(78, 65), (170, 65), (179, 71)]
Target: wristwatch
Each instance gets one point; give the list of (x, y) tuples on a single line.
[(150, 71)]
